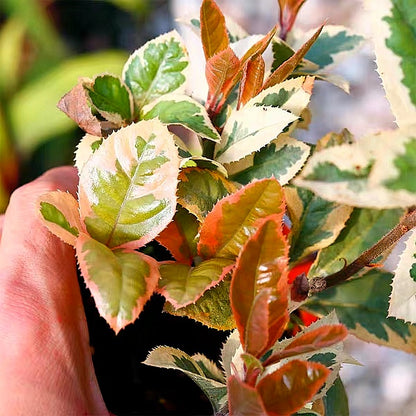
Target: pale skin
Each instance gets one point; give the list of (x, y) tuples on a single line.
[(45, 357)]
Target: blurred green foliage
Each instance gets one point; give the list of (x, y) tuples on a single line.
[(45, 46)]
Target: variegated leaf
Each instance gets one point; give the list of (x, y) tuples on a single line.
[(128, 186), (376, 172), (182, 110), (182, 284), (85, 148), (60, 213), (230, 353), (332, 46), (212, 309), (204, 163), (194, 367), (111, 97), (281, 159), (157, 68), (394, 33), (121, 281), (249, 129), (200, 189), (362, 230), (403, 295), (235, 218), (316, 222), (362, 306)]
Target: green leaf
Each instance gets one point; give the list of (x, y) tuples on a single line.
[(281, 159), (128, 186), (200, 189), (182, 110), (11, 48), (332, 44), (194, 367), (362, 305), (180, 236), (60, 213), (111, 98), (234, 219), (316, 222), (363, 229), (371, 173), (28, 107), (212, 309), (336, 400), (259, 288), (121, 281), (182, 284), (157, 68), (393, 26), (403, 295)]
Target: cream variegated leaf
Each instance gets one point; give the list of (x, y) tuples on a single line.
[(127, 188), (183, 110), (334, 44), (159, 67), (231, 351), (85, 148), (249, 129), (263, 118), (403, 295), (376, 172), (393, 24), (59, 211), (206, 376), (282, 158)]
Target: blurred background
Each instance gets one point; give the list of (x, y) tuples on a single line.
[(45, 46)]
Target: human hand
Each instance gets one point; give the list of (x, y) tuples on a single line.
[(45, 358)]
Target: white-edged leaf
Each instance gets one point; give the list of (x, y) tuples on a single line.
[(403, 295), (393, 24), (282, 158), (159, 67), (59, 211), (172, 358), (85, 148), (376, 172), (249, 129), (121, 281), (127, 188), (334, 44), (183, 110), (231, 351)]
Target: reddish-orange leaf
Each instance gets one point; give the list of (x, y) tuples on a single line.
[(259, 288), (256, 50), (180, 235), (288, 12), (220, 69), (214, 34), (287, 67), (290, 387), (75, 105), (243, 400), (235, 218), (322, 337), (253, 76)]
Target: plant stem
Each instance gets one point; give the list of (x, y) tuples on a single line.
[(318, 284)]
